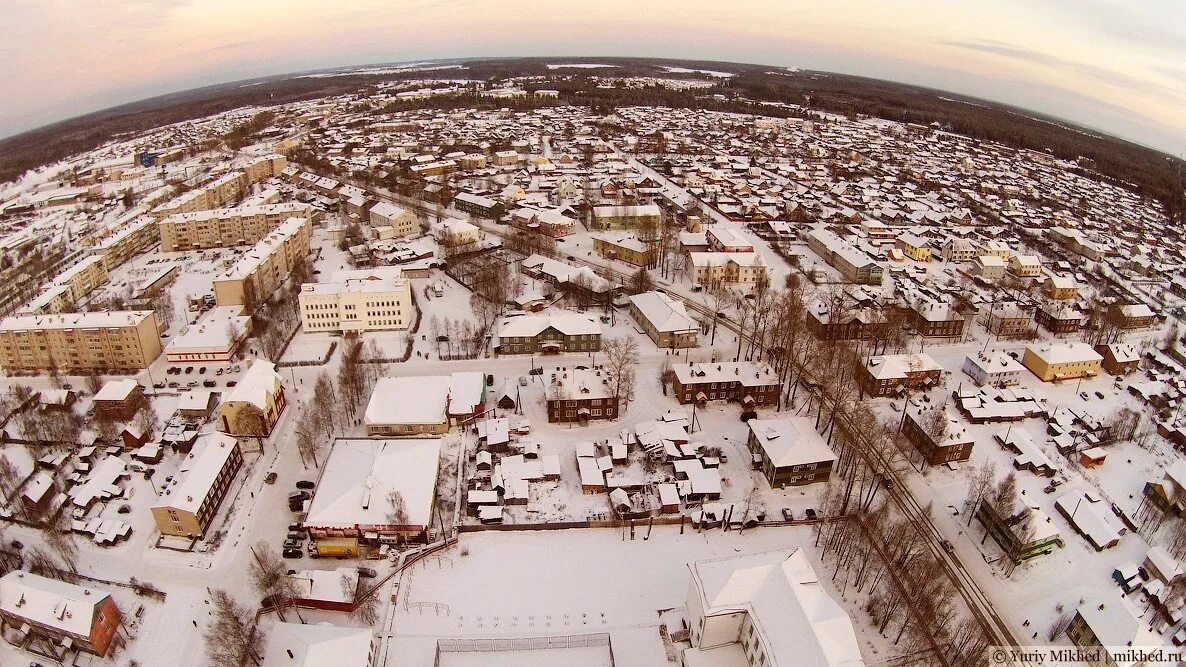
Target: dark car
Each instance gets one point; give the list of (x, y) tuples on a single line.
[(298, 495), (810, 513), (536, 371), (1099, 394), (367, 572), (158, 385), (947, 546), (787, 514), (270, 478), (292, 553), (202, 370), (123, 509), (209, 383), (231, 383), (189, 369), (304, 484)]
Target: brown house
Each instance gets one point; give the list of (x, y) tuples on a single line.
[(1119, 358), (57, 617), (1059, 318), (743, 381), (938, 436), (890, 374), (119, 400), (938, 320), (854, 325), (549, 334), (579, 394), (1131, 316)]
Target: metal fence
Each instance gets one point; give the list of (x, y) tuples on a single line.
[(492, 645)]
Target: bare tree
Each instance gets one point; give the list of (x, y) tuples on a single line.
[(232, 637), (981, 482), (269, 575), (59, 538), (1004, 499), (666, 374), (398, 514), (641, 281), (621, 358), (366, 605), (10, 478)]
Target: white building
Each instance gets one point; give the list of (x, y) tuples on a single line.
[(406, 405), (745, 268), (378, 300), (213, 339), (997, 369), (766, 609), (314, 645)]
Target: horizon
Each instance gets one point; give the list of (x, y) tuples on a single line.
[(1095, 64)]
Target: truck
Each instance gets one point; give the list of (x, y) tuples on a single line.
[(334, 547)]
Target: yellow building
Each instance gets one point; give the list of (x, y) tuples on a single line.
[(83, 277), (1025, 266), (378, 300), (126, 242), (219, 192), (625, 247), (223, 227), (707, 268), (80, 342), (401, 220), (915, 247), (263, 268), (255, 404), (187, 508), (626, 217), (1061, 361), (1061, 288)]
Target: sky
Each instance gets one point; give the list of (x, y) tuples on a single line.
[(1118, 67)]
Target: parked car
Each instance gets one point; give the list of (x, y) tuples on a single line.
[(297, 535), (231, 383), (218, 371), (298, 495), (810, 514), (1099, 394), (947, 546), (189, 369), (304, 484), (191, 384), (522, 380), (270, 478), (292, 553), (1083, 395), (174, 385), (294, 526), (158, 385), (123, 509), (536, 371), (367, 572), (787, 514), (209, 383), (202, 370)]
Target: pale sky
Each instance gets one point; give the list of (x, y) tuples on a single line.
[(1115, 66)]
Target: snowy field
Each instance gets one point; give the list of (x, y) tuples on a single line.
[(308, 348)]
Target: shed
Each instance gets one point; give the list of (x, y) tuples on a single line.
[(1092, 458)]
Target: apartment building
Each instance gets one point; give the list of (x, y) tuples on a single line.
[(989, 267), (110, 342), (890, 374), (206, 473), (626, 217), (996, 369), (263, 268), (1119, 358), (82, 278), (1132, 315), (402, 221), (937, 320), (219, 192), (127, 242), (727, 268), (1059, 317), (254, 406), (225, 227), (789, 451), (548, 334), (1110, 622), (580, 394), (727, 239), (478, 205), (749, 383), (938, 436), (625, 247), (857, 324), (1007, 320), (957, 250), (1025, 266), (1061, 288), (1053, 362), (58, 616), (664, 319), (379, 301), (853, 263)]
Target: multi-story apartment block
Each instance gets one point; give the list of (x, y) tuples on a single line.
[(219, 192), (626, 217), (478, 205), (1061, 361), (935, 319), (664, 319), (579, 394), (1022, 536), (82, 278), (1059, 317), (853, 263), (1007, 320), (548, 334), (1061, 288), (224, 227), (127, 242), (186, 509), (402, 221), (888, 374), (1119, 358), (789, 451), (747, 382), (60, 614), (97, 342), (727, 268), (1110, 622), (625, 247), (996, 248), (375, 302), (261, 270)]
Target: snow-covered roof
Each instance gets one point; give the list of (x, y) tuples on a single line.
[(533, 325), (791, 441), (663, 312), (325, 585), (1063, 353), (1091, 517), (95, 320), (116, 390), (360, 473), (799, 622), (57, 604), (199, 470), (748, 373), (313, 645), (260, 381), (891, 366), (409, 400), (1114, 622)]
